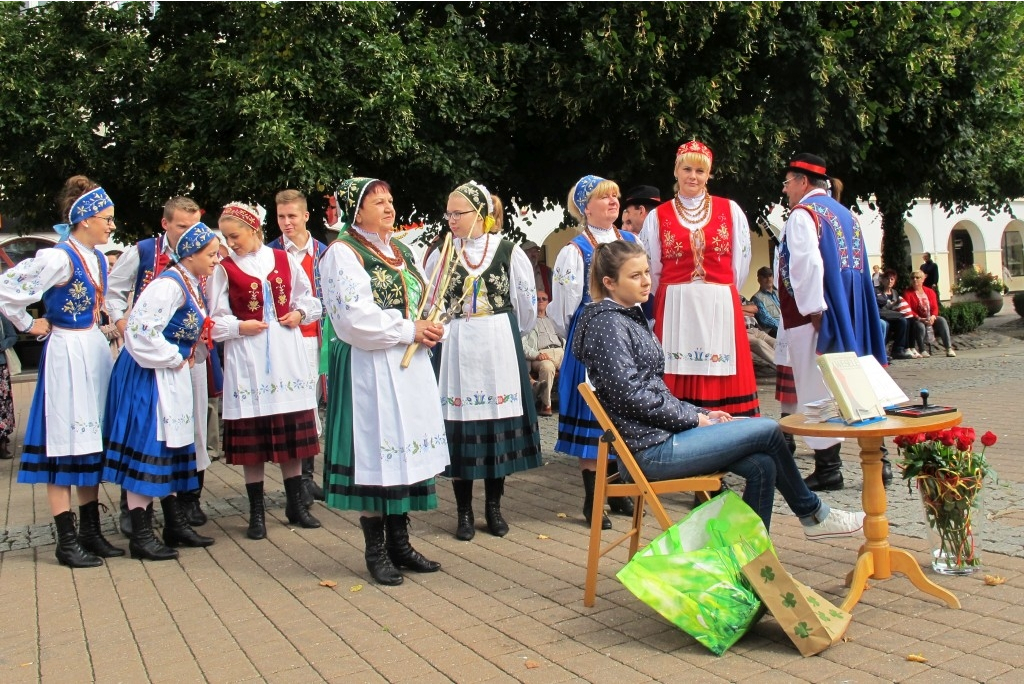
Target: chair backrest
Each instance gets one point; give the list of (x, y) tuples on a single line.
[(611, 439)]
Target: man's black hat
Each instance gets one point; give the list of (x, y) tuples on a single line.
[(808, 164), (647, 196)]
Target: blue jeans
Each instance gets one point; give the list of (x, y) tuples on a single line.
[(753, 449)]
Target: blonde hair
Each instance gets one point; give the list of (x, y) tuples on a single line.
[(180, 204), (693, 159), (607, 261), (603, 188), (291, 197)]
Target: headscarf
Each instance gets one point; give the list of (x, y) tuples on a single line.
[(582, 190), (350, 197), (247, 214), (89, 204), (196, 237), (695, 147), (480, 198)]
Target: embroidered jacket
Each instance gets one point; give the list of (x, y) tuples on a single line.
[(245, 292)]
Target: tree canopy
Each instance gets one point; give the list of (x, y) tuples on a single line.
[(229, 101)]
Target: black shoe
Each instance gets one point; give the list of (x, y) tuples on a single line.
[(378, 563), (465, 528), (90, 537), (257, 512), (143, 544), (623, 506), (189, 504), (5, 449), (400, 550), (589, 479), (125, 520), (828, 474), (886, 467), (295, 508), (177, 531), (69, 552), (495, 488)]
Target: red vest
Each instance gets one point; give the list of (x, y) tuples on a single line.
[(309, 330), (245, 292)]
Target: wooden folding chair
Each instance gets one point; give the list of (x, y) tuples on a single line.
[(644, 491)]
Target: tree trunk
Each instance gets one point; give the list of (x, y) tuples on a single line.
[(894, 253)]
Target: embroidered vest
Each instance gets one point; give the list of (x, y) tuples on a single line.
[(587, 251), (186, 325), (690, 254), (74, 304), (152, 261), (489, 293), (245, 292), (311, 265), (393, 288)]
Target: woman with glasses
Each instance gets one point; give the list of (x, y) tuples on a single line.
[(486, 399), (928, 328), (63, 438), (594, 203), (890, 310)]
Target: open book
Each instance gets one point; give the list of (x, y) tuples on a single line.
[(860, 386)]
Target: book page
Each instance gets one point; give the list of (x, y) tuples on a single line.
[(889, 393)]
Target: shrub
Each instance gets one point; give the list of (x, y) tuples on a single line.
[(963, 317), (974, 280), (1018, 304)]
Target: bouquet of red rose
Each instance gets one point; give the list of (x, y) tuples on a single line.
[(950, 476)]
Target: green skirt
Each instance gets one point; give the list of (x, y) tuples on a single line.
[(340, 488)]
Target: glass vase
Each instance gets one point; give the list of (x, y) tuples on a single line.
[(954, 517)]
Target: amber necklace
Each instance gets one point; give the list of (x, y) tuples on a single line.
[(397, 261), (191, 290), (593, 240), (100, 295), (465, 258), (698, 215)]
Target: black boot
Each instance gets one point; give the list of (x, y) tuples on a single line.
[(295, 509), (311, 491), (623, 506), (257, 513), (378, 563), (466, 527), (828, 473), (177, 531), (125, 520), (790, 440), (189, 503), (589, 478), (494, 488), (143, 544), (400, 551), (90, 537), (69, 552), (886, 467)]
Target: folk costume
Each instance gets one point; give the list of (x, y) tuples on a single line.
[(132, 273), (149, 424), (385, 438), (269, 399), (699, 249), (63, 438), (486, 397), (822, 269)]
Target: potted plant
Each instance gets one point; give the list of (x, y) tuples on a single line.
[(973, 284), (949, 476)]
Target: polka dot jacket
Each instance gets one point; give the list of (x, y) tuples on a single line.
[(625, 364)]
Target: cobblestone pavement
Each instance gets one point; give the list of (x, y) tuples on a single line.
[(506, 609)]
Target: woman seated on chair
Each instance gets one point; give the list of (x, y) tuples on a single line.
[(671, 438)]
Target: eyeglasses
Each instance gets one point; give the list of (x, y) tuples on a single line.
[(788, 181), (451, 216), (108, 219)]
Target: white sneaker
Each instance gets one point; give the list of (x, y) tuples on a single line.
[(924, 354), (950, 352), (838, 524)]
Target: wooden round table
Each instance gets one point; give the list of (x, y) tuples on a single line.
[(876, 558)]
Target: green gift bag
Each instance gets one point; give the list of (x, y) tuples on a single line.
[(691, 574)]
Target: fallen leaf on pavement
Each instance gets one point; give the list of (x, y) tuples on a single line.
[(355, 588), (532, 664), (917, 657), (543, 537), (327, 583), (994, 580), (563, 515)]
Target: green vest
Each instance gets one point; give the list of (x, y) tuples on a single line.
[(490, 290), (393, 287)]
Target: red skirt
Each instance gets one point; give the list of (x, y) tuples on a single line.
[(785, 385), (276, 438)]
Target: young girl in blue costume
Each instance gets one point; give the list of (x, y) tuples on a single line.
[(594, 202), (63, 442), (149, 422)]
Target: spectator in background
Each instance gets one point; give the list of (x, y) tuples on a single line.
[(929, 327), (543, 349), (890, 310), (931, 273), (1007, 277), (767, 301), (541, 271), (8, 336), (639, 201), (112, 257), (761, 344), (876, 275)]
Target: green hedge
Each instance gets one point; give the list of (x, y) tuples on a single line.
[(963, 317)]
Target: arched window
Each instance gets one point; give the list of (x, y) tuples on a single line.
[(1013, 252)]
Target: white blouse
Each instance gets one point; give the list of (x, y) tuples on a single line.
[(156, 306), (569, 280)]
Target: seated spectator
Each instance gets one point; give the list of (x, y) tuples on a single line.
[(543, 350), (876, 276), (927, 324), (889, 309), (761, 343), (669, 437), (767, 301)]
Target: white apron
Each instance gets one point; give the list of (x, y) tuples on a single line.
[(77, 374), (479, 377), (701, 341), (262, 379), (175, 411)]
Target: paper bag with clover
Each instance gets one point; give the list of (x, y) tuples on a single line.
[(813, 624)]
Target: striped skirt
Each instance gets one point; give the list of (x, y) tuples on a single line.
[(276, 438)]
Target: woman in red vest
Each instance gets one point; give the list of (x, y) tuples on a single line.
[(258, 300)]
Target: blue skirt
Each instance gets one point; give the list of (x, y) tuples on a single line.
[(135, 459), (578, 430), (82, 470)]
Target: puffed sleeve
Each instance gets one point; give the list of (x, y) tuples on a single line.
[(225, 323), (740, 245), (650, 238), (143, 337), (806, 270), (120, 282), (303, 298), (349, 302), (26, 282), (567, 285), (523, 287)]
